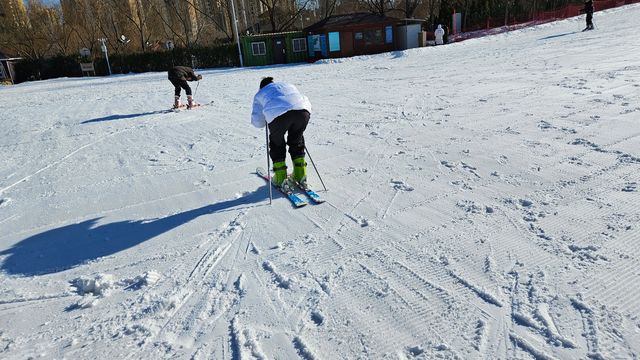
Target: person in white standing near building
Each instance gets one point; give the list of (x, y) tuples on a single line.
[(439, 33)]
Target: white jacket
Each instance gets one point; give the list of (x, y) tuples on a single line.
[(439, 33), (274, 100)]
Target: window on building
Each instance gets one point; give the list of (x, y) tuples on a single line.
[(334, 41), (358, 36), (389, 34), (299, 45), (258, 48), (373, 37)]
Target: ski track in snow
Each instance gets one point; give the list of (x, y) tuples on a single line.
[(26, 178), (482, 203)]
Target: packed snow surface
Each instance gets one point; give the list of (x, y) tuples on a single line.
[(483, 203)]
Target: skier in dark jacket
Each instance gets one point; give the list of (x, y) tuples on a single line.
[(588, 9), (179, 75)]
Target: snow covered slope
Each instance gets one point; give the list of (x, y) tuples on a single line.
[(482, 204)]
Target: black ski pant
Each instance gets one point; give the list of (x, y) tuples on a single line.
[(293, 123), (590, 20), (178, 84)]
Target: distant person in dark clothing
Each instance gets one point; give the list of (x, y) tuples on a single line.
[(588, 9), (445, 37), (179, 75)]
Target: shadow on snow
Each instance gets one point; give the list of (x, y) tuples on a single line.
[(62, 248), (124, 116), (558, 35)]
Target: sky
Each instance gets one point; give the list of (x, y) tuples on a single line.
[(46, 2)]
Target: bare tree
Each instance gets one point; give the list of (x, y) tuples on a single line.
[(180, 22), (35, 38), (63, 34), (379, 7), (45, 31), (288, 21), (135, 16), (410, 7), (171, 31), (218, 24), (327, 7), (431, 9), (507, 6), (349, 6), (283, 13), (84, 24)]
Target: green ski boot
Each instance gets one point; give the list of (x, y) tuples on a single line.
[(280, 170), (300, 171)]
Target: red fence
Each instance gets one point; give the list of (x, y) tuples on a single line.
[(497, 25), (566, 12)]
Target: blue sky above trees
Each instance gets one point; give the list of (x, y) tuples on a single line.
[(46, 2)]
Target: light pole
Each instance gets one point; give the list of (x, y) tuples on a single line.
[(235, 27), (104, 50)]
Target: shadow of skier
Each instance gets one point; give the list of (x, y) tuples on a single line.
[(124, 116), (64, 247), (558, 35)]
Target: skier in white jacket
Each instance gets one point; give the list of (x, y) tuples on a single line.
[(285, 110), (439, 34)]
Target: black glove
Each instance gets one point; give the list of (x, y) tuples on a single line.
[(199, 77)]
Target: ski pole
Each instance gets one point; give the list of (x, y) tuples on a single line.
[(266, 130), (315, 168), (196, 90)]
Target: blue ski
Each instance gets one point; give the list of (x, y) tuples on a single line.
[(295, 200), (311, 194)]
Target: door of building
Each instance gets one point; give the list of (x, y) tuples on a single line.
[(279, 51), (346, 39)]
